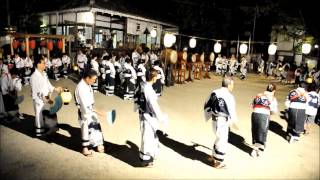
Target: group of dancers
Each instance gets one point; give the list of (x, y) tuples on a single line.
[(121, 74), (140, 83)]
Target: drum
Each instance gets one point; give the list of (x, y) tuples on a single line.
[(169, 55), (182, 56), (211, 57)]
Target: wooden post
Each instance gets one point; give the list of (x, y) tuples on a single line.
[(63, 45), (11, 45), (27, 46)]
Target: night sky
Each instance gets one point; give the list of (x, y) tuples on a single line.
[(220, 19)]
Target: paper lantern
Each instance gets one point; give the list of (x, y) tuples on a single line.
[(153, 33), (32, 44), (66, 96), (60, 44), (306, 48), (272, 49), (309, 80), (15, 44), (173, 38), (192, 42), (23, 46), (50, 45), (75, 68), (217, 47), (167, 40), (243, 49)]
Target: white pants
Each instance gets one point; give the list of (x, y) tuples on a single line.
[(149, 140), (90, 130), (38, 106), (221, 130)]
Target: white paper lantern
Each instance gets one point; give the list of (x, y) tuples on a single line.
[(272, 49), (167, 40), (306, 48), (217, 47), (173, 38), (192, 42), (153, 33), (316, 46), (243, 49)]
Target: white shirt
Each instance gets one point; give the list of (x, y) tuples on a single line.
[(161, 74), (28, 63), (95, 65), (81, 60), (152, 101), (118, 65), (313, 102), (40, 85), (135, 57), (65, 60), (19, 62), (84, 99), (133, 72), (48, 62), (142, 73), (112, 69), (9, 84), (153, 58), (226, 95), (56, 62)]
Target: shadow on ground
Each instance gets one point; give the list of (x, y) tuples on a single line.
[(277, 128), (239, 142), (128, 153), (184, 150)]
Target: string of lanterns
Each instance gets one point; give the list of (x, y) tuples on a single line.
[(170, 39), (32, 44)]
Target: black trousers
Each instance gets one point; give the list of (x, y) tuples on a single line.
[(259, 127), (296, 121), (9, 103)]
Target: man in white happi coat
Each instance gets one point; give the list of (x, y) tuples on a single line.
[(81, 61), (149, 114), (221, 108), (88, 116), (28, 65), (41, 89)]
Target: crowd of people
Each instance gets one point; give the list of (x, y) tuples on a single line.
[(140, 77)]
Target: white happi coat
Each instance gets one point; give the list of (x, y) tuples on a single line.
[(40, 87), (88, 120), (149, 123), (81, 60)]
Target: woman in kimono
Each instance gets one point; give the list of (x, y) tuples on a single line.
[(264, 104)]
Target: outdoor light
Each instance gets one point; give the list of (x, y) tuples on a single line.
[(243, 49), (306, 48), (153, 33), (272, 49), (217, 47), (192, 42), (316, 46), (167, 40)]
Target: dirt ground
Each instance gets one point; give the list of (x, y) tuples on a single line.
[(183, 154)]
